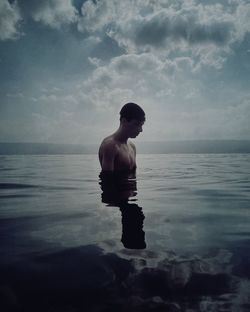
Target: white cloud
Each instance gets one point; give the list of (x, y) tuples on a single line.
[(53, 13), (171, 94), (124, 78), (143, 77), (165, 44), (94, 61), (9, 20), (242, 19), (204, 31)]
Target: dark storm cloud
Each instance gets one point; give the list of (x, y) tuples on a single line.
[(159, 28)]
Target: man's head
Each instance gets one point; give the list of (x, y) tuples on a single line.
[(132, 111), (132, 118)]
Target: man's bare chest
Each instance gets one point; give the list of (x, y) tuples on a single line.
[(125, 158)]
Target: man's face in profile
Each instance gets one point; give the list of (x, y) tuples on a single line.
[(134, 127)]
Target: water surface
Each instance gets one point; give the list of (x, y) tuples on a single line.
[(182, 205)]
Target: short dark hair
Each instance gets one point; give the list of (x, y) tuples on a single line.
[(132, 111)]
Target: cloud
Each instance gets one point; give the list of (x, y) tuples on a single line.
[(160, 86), (52, 13), (124, 78), (173, 95), (206, 32), (142, 77), (164, 55), (9, 20), (242, 19), (181, 25)]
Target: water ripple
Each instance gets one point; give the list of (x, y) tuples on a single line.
[(16, 186)]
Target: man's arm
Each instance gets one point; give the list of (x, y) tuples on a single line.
[(108, 155), (134, 150)]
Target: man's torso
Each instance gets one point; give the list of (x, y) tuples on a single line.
[(125, 155)]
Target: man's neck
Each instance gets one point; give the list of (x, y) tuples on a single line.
[(120, 136)]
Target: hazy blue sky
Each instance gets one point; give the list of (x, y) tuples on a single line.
[(67, 67)]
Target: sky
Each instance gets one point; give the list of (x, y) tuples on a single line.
[(67, 67)]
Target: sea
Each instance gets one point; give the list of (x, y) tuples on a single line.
[(174, 237)]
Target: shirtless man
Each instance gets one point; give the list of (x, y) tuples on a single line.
[(116, 153)]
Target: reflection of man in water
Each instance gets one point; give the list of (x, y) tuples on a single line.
[(117, 157), (116, 153), (117, 189)]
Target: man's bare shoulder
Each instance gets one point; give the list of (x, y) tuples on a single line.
[(108, 153), (108, 144)]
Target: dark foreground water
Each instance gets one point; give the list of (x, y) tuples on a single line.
[(176, 238)]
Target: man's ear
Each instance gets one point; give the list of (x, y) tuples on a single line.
[(123, 121)]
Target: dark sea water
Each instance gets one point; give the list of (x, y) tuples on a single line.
[(66, 233)]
